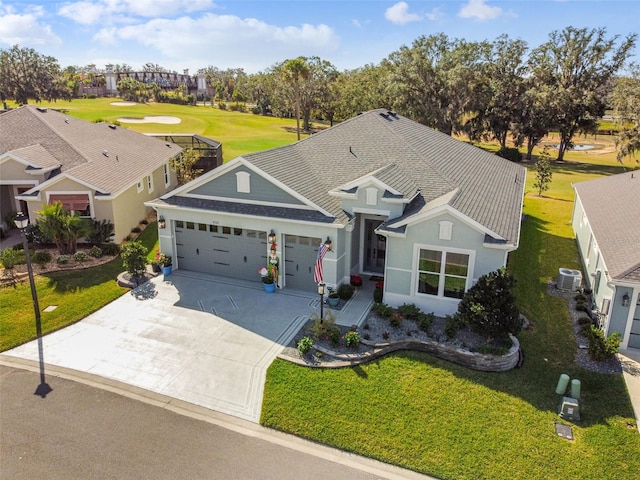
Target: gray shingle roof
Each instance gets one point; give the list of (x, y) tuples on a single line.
[(78, 147), (490, 188), (242, 208), (612, 206)]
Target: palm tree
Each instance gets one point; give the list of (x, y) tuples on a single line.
[(294, 70), (63, 227)]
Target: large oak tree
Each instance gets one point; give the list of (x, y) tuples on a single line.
[(577, 65), (27, 75)]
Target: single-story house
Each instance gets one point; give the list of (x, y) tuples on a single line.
[(395, 199), (606, 222), (98, 170)]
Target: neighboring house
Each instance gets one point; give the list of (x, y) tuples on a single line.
[(396, 199), (606, 221), (97, 170)]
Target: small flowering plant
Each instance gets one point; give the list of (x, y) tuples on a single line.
[(356, 280), (352, 339), (266, 274), (162, 259)]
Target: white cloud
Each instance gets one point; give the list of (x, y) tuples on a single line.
[(89, 12), (435, 14), (479, 10), (222, 40), (399, 14), (25, 29)]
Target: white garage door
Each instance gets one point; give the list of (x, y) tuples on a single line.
[(221, 250), (300, 259)]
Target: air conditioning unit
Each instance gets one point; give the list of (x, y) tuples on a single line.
[(569, 280)]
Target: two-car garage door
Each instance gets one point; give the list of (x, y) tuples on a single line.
[(239, 253), (219, 250)]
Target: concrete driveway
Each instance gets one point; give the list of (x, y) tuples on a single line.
[(198, 338)]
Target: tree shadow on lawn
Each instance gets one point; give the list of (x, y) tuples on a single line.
[(73, 280), (572, 167)]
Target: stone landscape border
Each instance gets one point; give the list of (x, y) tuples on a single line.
[(473, 360)]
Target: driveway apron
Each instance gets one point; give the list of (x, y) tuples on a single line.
[(202, 339)]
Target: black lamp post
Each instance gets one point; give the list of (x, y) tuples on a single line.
[(321, 286), (21, 222)]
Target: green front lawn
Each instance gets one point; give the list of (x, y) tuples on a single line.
[(76, 294), (428, 415)]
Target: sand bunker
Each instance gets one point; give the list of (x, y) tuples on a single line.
[(123, 104), (167, 120)]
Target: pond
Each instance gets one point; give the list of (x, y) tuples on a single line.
[(580, 146)]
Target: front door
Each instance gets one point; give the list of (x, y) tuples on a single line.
[(375, 247)]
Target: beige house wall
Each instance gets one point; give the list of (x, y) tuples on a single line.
[(125, 210)]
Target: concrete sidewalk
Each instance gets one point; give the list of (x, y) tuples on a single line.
[(198, 338), (630, 360)]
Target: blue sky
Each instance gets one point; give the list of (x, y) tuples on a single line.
[(193, 34)]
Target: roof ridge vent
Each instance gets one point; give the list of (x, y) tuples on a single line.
[(42, 109), (393, 114), (385, 116)]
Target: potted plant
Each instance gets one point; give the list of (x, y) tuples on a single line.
[(333, 298), (165, 263), (268, 282), (356, 280)]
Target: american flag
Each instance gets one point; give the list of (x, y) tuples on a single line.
[(317, 273)]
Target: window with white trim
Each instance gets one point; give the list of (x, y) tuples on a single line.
[(165, 171), (442, 273), (446, 228), (150, 183), (76, 203), (243, 184)]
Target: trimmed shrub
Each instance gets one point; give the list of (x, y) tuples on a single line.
[(62, 260), (395, 320), (9, 257), (382, 309), (489, 307), (35, 235), (452, 324), (101, 232), (136, 230), (305, 344), (111, 249), (95, 251), (510, 153), (409, 310), (41, 257), (80, 257), (345, 291), (601, 347), (425, 320)]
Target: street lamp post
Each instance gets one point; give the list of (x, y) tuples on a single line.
[(321, 286), (21, 222)]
